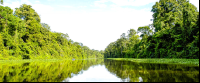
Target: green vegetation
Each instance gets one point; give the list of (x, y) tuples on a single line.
[(162, 61), (173, 34), (133, 72), (23, 36), (31, 52)]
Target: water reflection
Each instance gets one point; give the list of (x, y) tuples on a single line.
[(140, 72), (97, 73), (43, 71), (96, 70)]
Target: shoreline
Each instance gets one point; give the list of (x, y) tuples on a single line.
[(192, 62)]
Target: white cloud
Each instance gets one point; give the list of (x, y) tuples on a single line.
[(37, 1), (51, 0), (82, 6), (65, 6), (13, 5), (39, 8), (127, 2), (42, 9), (100, 4), (25, 1), (133, 2), (196, 3)]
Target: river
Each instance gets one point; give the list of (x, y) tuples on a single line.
[(97, 70)]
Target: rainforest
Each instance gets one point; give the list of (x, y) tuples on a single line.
[(173, 34), (22, 36), (165, 51)]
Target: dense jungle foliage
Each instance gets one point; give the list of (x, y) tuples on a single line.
[(173, 34), (23, 36)]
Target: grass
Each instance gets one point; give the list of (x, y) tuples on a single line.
[(162, 61)]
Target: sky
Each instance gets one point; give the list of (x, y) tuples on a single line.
[(95, 23)]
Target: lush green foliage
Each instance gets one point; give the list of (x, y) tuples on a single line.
[(23, 36), (1, 1), (173, 34), (134, 72)]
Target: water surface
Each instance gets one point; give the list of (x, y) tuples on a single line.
[(96, 70)]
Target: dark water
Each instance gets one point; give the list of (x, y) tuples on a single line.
[(96, 70)]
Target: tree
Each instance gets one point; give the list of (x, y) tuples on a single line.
[(46, 26), (145, 31), (122, 43), (81, 44), (131, 33), (26, 12), (22, 36), (166, 14), (1, 1)]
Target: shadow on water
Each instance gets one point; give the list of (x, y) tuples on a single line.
[(125, 70)]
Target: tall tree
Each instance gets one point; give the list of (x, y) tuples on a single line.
[(145, 31), (131, 33), (1, 1), (26, 12), (166, 14)]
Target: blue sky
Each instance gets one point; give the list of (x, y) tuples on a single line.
[(95, 23)]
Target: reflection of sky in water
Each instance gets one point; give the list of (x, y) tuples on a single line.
[(95, 74), (141, 80)]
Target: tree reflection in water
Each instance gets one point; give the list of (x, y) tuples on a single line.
[(127, 71), (44, 71), (144, 72)]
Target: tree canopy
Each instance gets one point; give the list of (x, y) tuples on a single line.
[(175, 35), (22, 36)]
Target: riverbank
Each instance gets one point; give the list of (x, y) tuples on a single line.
[(194, 62), (40, 60), (30, 60)]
